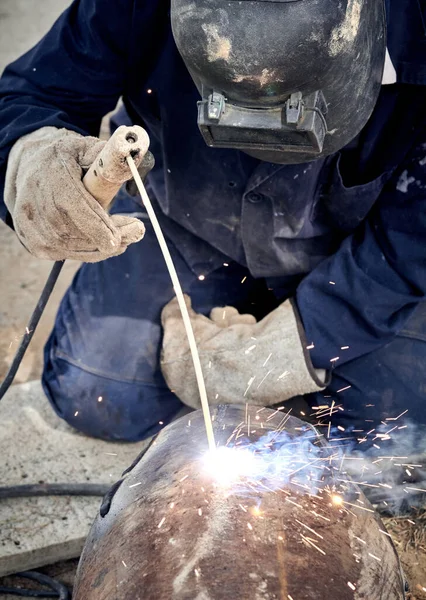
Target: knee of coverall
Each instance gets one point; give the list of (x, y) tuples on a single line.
[(382, 391), (101, 407)]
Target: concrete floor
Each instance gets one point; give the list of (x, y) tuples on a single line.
[(22, 24)]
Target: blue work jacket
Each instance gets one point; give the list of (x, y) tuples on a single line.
[(345, 234)]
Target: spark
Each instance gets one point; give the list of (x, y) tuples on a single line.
[(200, 512), (124, 564), (344, 389), (242, 507), (310, 541), (250, 526), (337, 500), (226, 264), (197, 572), (111, 454), (332, 282), (309, 529), (344, 348), (268, 373), (264, 364), (335, 359), (171, 505), (295, 503), (310, 347), (320, 516), (415, 489), (149, 91), (201, 277), (398, 417), (250, 349), (76, 413), (283, 375), (135, 485), (160, 422), (357, 506), (360, 539), (249, 384), (100, 399), (375, 557), (161, 523), (351, 585), (183, 478), (243, 279)]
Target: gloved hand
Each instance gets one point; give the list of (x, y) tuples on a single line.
[(261, 363), (54, 215)]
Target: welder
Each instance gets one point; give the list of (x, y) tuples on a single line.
[(289, 140)]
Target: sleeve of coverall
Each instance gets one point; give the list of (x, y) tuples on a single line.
[(379, 273), (70, 79)]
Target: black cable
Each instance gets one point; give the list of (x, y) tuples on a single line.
[(54, 489), (57, 590), (32, 325)]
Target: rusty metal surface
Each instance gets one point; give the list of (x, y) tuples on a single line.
[(173, 533)]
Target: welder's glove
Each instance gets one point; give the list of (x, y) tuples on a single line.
[(261, 363), (54, 215)]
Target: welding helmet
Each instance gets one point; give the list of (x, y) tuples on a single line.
[(287, 81)]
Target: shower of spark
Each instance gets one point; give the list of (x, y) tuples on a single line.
[(275, 460)]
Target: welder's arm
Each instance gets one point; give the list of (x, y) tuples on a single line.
[(260, 363), (70, 79), (379, 273)]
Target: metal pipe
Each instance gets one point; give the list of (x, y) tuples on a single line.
[(261, 518)]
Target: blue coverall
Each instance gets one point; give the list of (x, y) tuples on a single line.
[(344, 235)]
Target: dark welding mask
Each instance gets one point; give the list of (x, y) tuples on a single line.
[(287, 81)]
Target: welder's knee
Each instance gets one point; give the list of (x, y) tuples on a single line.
[(104, 407), (385, 386)]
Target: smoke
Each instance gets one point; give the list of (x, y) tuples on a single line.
[(388, 464), (297, 461)]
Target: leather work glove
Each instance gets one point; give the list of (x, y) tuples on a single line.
[(54, 216), (260, 363)]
